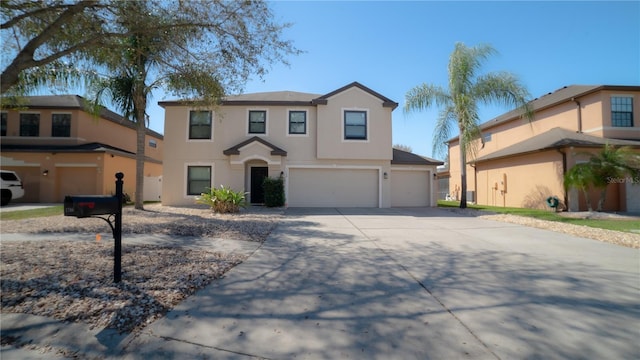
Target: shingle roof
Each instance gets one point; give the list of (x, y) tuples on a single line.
[(566, 93), (235, 150), (401, 157), (75, 102), (554, 139), (291, 98)]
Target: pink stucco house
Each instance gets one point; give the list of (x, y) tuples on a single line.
[(522, 163)]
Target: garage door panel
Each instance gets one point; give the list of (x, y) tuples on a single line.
[(333, 188), (410, 188)]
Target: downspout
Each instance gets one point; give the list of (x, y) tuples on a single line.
[(579, 114), (475, 183), (564, 171)]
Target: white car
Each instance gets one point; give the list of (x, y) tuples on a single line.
[(11, 186)]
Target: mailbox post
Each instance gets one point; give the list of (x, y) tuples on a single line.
[(95, 205)]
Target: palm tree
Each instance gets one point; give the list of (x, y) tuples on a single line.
[(580, 177), (460, 102), (604, 167)]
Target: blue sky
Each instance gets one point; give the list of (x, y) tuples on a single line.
[(392, 46)]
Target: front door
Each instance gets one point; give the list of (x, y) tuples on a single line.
[(257, 189)]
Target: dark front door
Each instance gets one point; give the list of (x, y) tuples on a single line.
[(257, 189)]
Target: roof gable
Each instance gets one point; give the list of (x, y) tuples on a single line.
[(386, 102), (235, 150)]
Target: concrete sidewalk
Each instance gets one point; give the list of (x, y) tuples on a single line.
[(405, 284)]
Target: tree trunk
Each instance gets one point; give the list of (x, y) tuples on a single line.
[(141, 105), (587, 200), (603, 196), (463, 177)]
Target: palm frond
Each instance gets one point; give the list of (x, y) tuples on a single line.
[(442, 130), (464, 63), (503, 88), (424, 96)]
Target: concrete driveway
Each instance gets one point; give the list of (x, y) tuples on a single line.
[(410, 284)]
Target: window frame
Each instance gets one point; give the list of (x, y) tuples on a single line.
[(367, 133), (190, 126), (187, 190), (4, 121), (266, 120), (305, 123), (53, 126), (37, 133), (617, 123)]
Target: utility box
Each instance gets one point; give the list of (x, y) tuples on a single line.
[(88, 205)]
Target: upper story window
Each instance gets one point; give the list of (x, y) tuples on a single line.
[(622, 111), (297, 122), (200, 125), (257, 122), (153, 143), (355, 125), (3, 124), (29, 124), (198, 179), (61, 125)]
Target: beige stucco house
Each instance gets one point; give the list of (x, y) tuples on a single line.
[(333, 150), (58, 148), (522, 163)]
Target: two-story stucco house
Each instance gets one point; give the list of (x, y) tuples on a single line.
[(522, 163), (332, 150), (58, 148)]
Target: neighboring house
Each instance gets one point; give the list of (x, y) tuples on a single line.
[(332, 150), (59, 148), (522, 163)]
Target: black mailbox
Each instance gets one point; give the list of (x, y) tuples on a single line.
[(85, 206)]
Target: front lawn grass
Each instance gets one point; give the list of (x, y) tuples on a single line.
[(26, 214), (631, 226)]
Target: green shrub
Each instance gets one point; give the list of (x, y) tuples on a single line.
[(223, 200), (273, 192)]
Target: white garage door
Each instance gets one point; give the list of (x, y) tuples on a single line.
[(333, 188), (410, 188), (633, 196)]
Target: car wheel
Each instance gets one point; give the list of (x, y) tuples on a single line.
[(6, 197)]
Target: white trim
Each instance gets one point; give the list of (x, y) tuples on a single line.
[(266, 122), (254, 157), (612, 128), (306, 122), (410, 168), (185, 175), (189, 140), (367, 126), (335, 166)]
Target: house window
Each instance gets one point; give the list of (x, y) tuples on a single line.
[(622, 111), (29, 124), (3, 124), (61, 125), (257, 122), (297, 122), (153, 143), (198, 179), (355, 125), (486, 137), (199, 125)]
